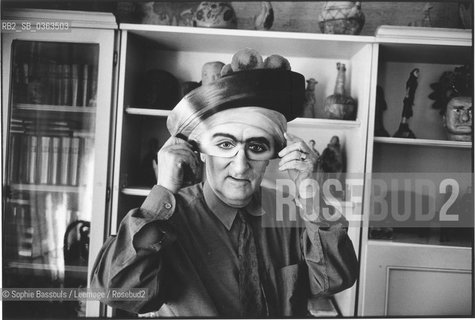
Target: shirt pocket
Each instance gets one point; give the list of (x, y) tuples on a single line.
[(292, 284)]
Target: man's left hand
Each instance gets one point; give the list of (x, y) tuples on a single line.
[(298, 159)]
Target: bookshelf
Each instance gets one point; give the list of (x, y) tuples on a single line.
[(56, 120), (400, 261)]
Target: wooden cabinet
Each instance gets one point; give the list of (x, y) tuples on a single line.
[(417, 269), (56, 111)]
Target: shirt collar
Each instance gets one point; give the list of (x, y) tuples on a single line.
[(224, 212)]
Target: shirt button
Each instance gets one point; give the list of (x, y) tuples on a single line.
[(167, 205)]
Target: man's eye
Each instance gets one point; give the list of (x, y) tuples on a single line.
[(225, 145), (257, 148)]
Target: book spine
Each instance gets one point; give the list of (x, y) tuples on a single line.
[(45, 160), (74, 161), (32, 159), (93, 88), (24, 233), (74, 85), (55, 152), (14, 159), (85, 84), (65, 152), (60, 81), (66, 77)]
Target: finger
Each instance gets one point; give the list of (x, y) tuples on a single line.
[(293, 155), (296, 146), (186, 156), (291, 138), (294, 165)]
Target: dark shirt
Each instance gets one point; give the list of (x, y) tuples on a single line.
[(190, 263)]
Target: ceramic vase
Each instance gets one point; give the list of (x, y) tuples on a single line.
[(339, 105), (215, 15), (341, 17)]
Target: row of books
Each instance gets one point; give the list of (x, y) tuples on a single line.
[(55, 83), (35, 227), (53, 160)]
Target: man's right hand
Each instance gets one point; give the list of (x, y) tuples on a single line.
[(173, 159)]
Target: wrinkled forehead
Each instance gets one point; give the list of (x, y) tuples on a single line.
[(464, 102)]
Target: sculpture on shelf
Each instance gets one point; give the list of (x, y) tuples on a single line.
[(407, 112), (310, 103), (453, 97), (215, 15), (425, 21), (459, 118), (341, 17), (339, 105), (211, 71), (265, 18), (167, 13), (158, 89), (331, 164), (381, 106), (312, 145)]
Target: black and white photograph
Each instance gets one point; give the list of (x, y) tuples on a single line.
[(237, 159)]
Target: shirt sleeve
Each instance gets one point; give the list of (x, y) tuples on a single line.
[(132, 258), (327, 250)]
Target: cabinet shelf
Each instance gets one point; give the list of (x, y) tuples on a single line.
[(176, 38), (148, 112), (424, 142), (44, 266), (54, 108), (47, 188), (301, 122)]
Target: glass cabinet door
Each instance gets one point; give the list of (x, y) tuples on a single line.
[(57, 122)]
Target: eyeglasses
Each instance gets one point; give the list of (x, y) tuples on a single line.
[(228, 148)]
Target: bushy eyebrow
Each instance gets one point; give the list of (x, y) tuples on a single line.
[(251, 139)]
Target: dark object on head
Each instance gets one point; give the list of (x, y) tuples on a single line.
[(279, 90)]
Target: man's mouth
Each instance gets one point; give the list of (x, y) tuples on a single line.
[(241, 180)]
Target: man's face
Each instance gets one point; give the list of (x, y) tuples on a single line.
[(459, 115), (230, 170)]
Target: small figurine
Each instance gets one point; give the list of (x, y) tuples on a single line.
[(425, 21), (339, 105), (312, 145), (381, 106), (331, 163), (408, 102), (210, 72), (310, 103), (265, 19)]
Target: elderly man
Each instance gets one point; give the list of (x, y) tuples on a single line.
[(217, 248)]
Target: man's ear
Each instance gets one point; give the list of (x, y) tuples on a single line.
[(202, 157)]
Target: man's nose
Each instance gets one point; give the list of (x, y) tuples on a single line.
[(465, 116), (240, 161)]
